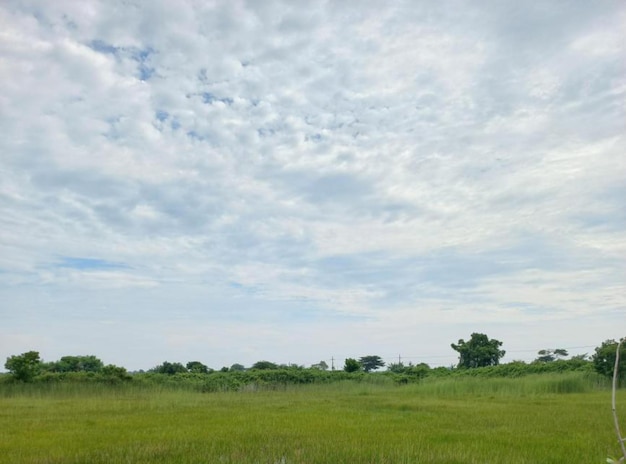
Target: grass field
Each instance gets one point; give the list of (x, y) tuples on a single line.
[(537, 419)]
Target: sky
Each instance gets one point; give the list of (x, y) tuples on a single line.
[(235, 181)]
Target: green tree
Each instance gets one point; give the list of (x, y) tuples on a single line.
[(604, 358), (322, 366), (264, 365), (112, 372), (371, 362), (237, 367), (77, 364), (197, 367), (290, 366), (420, 370), (479, 351), (561, 353), (397, 368), (169, 368), (551, 355), (24, 366), (545, 356), (351, 365)]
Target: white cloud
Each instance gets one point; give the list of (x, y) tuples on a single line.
[(374, 169)]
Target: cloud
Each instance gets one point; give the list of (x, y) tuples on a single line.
[(343, 167)]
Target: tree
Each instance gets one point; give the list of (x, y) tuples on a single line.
[(237, 367), (561, 353), (604, 359), (397, 368), (77, 364), (322, 366), (24, 366), (264, 365), (545, 356), (290, 366), (419, 371), (197, 367), (371, 363), (551, 355), (113, 372), (351, 365), (479, 351), (169, 368)]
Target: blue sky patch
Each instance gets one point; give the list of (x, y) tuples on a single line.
[(88, 264)]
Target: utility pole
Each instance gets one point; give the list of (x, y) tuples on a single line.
[(332, 363)]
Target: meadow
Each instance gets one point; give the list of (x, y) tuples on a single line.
[(546, 418)]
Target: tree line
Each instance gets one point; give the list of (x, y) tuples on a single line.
[(479, 355)]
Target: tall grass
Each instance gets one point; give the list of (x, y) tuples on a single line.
[(531, 385), (549, 419)]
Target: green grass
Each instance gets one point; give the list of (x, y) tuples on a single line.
[(537, 419)]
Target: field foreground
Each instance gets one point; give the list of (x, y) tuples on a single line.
[(452, 421)]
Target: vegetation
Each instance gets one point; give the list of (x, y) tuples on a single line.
[(604, 359), (197, 367), (351, 365), (264, 365), (75, 364), (478, 357), (25, 366), (551, 355), (28, 367), (169, 368), (369, 419), (371, 363), (479, 351), (322, 365), (77, 410)]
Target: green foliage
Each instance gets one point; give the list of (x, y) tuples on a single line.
[(487, 420), (169, 368), (604, 359), (24, 367), (76, 364), (411, 372), (351, 365), (322, 366), (396, 368), (290, 366), (371, 362), (193, 377), (249, 380), (551, 355), (479, 351), (264, 365), (112, 374), (197, 367), (560, 353), (500, 386), (545, 356), (517, 369), (418, 371)]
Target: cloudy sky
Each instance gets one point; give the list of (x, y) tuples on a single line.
[(233, 181)]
